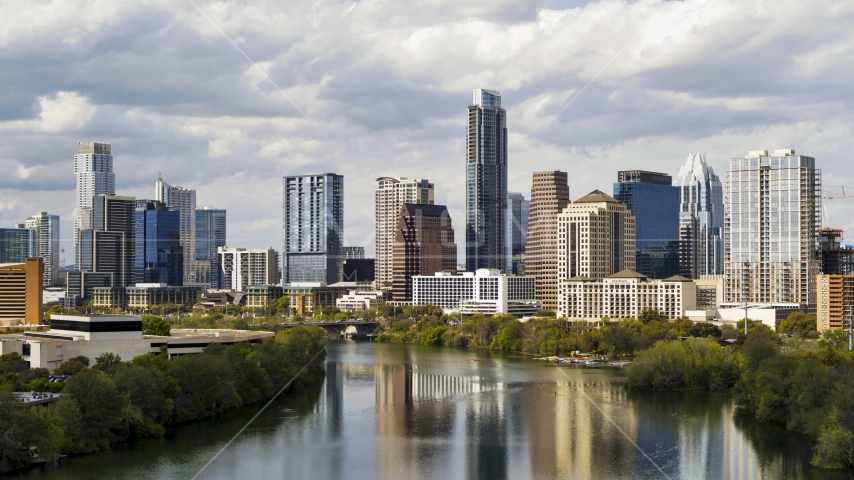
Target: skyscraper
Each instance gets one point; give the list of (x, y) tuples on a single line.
[(110, 246), (518, 210), (159, 255), (210, 235), (772, 217), (47, 235), (93, 167), (391, 194), (596, 238), (424, 245), (240, 268), (184, 201), (701, 219), (654, 202), (313, 224), (486, 182), (549, 196), (17, 244)]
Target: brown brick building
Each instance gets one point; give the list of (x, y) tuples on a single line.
[(21, 293), (549, 195), (423, 245)]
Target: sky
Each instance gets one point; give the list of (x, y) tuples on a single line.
[(229, 96)]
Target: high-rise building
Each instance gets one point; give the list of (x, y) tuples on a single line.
[(159, 255), (184, 201), (391, 194), (518, 210), (486, 183), (596, 238), (240, 268), (110, 246), (835, 294), (701, 219), (654, 202), (772, 216), (313, 228), (210, 235), (21, 292), (352, 252), (424, 245), (93, 167), (47, 235), (549, 196), (836, 259), (17, 244)]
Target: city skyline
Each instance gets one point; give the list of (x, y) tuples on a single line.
[(403, 116)]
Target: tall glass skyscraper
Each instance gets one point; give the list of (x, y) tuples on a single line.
[(654, 201), (93, 167), (701, 219), (313, 232), (518, 210), (183, 200), (159, 255), (210, 234), (771, 228), (486, 183)]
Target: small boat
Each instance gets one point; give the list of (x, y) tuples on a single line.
[(474, 360)]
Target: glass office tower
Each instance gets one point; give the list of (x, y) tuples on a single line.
[(701, 219), (517, 228), (771, 228), (313, 228), (486, 183), (159, 255), (210, 234), (654, 202)]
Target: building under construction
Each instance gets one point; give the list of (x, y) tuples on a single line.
[(836, 259)]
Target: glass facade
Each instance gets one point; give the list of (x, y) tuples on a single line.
[(159, 255), (771, 225), (517, 228), (16, 244), (313, 228), (487, 244), (655, 207), (701, 219)]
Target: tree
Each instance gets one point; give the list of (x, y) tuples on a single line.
[(544, 312), (797, 323), (152, 325), (108, 362), (704, 330), (759, 345), (651, 314), (834, 339), (281, 305), (92, 406), (12, 363)]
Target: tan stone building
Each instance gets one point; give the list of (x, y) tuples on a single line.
[(391, 194), (549, 196), (424, 244), (596, 238), (21, 293), (835, 293)]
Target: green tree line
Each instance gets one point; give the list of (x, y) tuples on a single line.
[(115, 401)]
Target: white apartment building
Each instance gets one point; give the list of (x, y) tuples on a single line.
[(596, 238), (391, 194), (47, 236), (625, 295), (483, 291), (184, 201), (240, 267), (359, 300), (93, 167)]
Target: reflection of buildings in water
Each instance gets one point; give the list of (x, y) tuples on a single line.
[(334, 394), (739, 455), (487, 427), (408, 405), (702, 444)]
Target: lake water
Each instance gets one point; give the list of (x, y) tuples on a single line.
[(412, 412)]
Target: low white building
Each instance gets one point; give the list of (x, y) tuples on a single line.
[(359, 300), (625, 294), (92, 335), (484, 291), (239, 267)]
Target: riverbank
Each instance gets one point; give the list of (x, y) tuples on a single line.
[(116, 401)]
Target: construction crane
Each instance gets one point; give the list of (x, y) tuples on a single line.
[(831, 196)]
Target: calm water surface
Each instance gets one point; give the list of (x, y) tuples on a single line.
[(412, 412)]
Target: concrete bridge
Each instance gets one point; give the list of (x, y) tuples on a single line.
[(339, 328)]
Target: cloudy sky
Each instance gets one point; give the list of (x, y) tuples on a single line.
[(228, 96)]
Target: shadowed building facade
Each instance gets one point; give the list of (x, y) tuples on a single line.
[(424, 244), (549, 196)]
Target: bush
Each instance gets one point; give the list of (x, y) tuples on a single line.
[(152, 325), (694, 363)]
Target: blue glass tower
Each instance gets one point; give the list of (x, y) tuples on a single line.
[(654, 202), (159, 255), (486, 183)]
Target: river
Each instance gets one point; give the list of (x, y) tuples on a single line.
[(412, 412)]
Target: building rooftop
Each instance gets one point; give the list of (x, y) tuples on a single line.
[(596, 196), (677, 278), (425, 210), (627, 273)]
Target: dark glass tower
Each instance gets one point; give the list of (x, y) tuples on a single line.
[(486, 183), (159, 255), (654, 201)]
